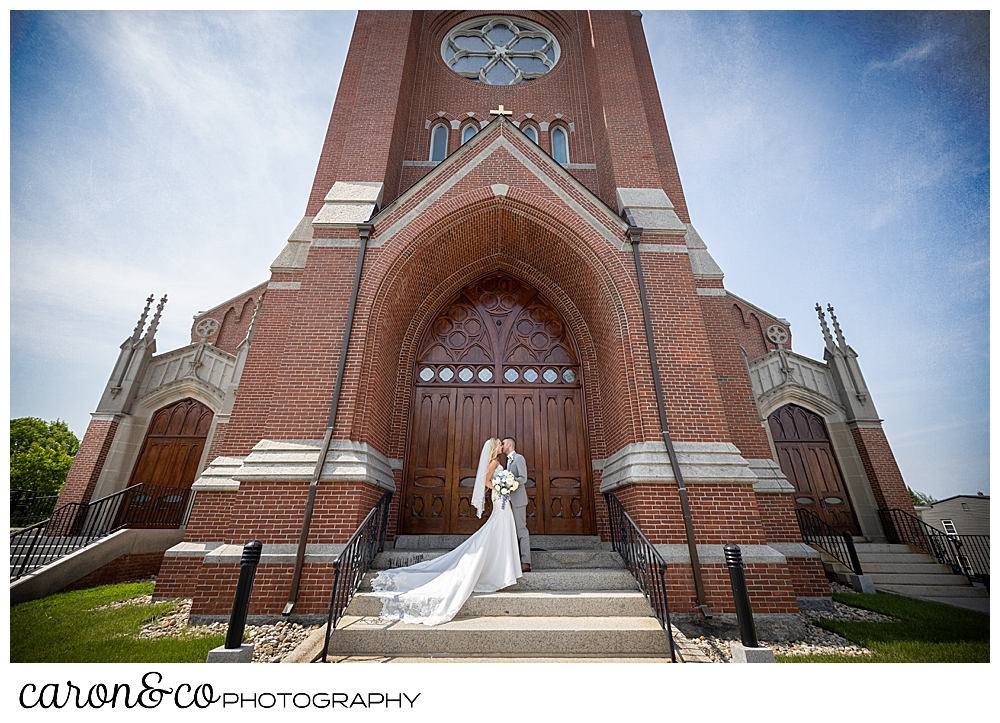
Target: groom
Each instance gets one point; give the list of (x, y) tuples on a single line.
[(519, 500)]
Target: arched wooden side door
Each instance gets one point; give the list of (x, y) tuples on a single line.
[(807, 459), (496, 361), (168, 462)]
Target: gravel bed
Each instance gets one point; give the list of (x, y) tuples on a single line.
[(271, 642), (817, 641)]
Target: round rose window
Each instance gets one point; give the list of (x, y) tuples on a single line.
[(500, 50)]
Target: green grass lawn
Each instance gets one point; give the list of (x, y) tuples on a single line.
[(925, 632), (65, 628)]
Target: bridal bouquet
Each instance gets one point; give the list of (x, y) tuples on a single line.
[(503, 484)]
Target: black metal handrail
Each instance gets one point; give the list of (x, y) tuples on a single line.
[(642, 560), (28, 507), (967, 555), (354, 562), (817, 531), (75, 525)]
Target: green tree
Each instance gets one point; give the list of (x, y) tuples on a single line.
[(41, 454), (920, 499)]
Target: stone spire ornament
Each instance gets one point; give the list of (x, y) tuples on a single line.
[(151, 332), (827, 336), (137, 332), (836, 328)]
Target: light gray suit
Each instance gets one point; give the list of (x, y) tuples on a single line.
[(519, 503)]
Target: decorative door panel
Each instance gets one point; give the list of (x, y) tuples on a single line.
[(475, 423), (565, 497), (806, 457), (497, 353), (519, 420), (426, 499)]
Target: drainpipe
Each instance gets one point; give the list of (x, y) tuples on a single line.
[(634, 237), (364, 231)]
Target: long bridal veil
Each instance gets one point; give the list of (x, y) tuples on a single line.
[(479, 491)]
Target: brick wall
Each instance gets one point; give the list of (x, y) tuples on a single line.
[(777, 514), (88, 462), (234, 316), (769, 586), (750, 324), (883, 473), (720, 513)]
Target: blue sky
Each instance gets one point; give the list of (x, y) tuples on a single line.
[(832, 157)]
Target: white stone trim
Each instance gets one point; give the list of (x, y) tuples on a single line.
[(349, 203), (709, 292), (865, 424), (579, 166), (103, 417), (770, 478), (218, 476), (662, 248), (714, 555), (338, 243), (651, 209), (192, 549), (794, 549), (599, 225), (295, 460), (303, 231), (285, 285), (422, 164), (700, 463), (274, 554), (292, 258), (703, 266)]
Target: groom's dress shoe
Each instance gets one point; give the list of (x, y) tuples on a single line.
[(525, 567)]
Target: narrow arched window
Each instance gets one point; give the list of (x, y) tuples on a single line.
[(560, 146), (531, 132), (469, 131), (439, 142)]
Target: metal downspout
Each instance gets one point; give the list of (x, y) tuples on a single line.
[(364, 231), (634, 237)]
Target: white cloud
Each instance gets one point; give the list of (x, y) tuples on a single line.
[(917, 53)]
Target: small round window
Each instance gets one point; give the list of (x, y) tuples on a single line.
[(500, 50)]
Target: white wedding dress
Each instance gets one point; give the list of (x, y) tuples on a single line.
[(433, 591)]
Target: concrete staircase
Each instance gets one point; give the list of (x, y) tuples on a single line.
[(905, 570), (577, 602)]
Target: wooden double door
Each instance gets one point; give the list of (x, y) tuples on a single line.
[(497, 361), (168, 463), (806, 457)]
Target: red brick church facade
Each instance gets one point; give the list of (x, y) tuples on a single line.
[(498, 296)]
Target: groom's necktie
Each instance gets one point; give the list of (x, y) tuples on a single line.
[(507, 466)]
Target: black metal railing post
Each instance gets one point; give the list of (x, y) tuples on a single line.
[(744, 615), (643, 561), (244, 588), (354, 562), (853, 552)]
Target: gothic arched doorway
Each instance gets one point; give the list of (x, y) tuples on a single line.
[(807, 460), (497, 360), (168, 461)]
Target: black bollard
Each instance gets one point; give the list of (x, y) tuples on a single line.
[(241, 602), (734, 561), (853, 552)]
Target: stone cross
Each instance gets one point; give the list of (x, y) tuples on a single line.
[(501, 111)]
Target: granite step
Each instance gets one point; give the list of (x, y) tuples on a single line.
[(566, 603), (540, 542), (947, 579), (915, 568), (558, 580), (523, 636), (932, 591), (555, 560)]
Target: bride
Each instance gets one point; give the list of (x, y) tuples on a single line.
[(432, 592)]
